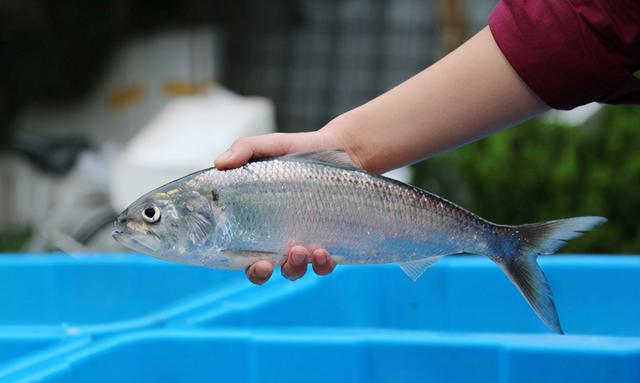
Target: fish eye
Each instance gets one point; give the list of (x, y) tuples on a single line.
[(151, 214)]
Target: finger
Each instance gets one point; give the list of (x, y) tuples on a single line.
[(322, 262), (259, 272), (245, 148), (296, 264)]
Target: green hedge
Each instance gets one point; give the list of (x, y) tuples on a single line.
[(540, 171), (14, 240)]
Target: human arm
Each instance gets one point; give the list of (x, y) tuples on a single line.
[(468, 94)]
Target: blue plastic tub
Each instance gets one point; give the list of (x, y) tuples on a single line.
[(463, 321), (58, 294), (594, 296), (346, 356), (21, 351)]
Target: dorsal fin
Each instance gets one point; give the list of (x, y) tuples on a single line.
[(336, 158)]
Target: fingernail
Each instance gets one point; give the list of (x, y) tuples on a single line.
[(261, 274), (226, 156), (321, 259), (298, 258)]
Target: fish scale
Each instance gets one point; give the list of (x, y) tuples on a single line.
[(385, 221)]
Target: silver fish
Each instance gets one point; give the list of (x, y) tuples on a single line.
[(232, 218)]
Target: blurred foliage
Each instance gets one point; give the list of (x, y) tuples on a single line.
[(14, 240), (541, 171)]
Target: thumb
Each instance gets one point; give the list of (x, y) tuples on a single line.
[(245, 148), (268, 145)]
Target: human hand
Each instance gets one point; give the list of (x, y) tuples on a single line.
[(278, 144), (295, 266)]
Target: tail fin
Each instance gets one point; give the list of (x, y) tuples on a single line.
[(520, 262)]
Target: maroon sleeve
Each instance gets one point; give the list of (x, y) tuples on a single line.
[(572, 52)]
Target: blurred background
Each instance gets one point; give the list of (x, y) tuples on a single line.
[(103, 101)]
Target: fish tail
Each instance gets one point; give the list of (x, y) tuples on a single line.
[(522, 244)]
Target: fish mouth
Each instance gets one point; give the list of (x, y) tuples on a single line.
[(118, 235), (128, 241), (122, 237)]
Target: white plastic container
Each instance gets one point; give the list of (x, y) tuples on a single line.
[(185, 137)]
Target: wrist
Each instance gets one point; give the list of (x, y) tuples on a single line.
[(343, 133)]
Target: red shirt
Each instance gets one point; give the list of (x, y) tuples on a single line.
[(572, 52)]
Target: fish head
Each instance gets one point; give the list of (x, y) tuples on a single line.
[(175, 223)]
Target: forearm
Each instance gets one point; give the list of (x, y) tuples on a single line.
[(468, 94)]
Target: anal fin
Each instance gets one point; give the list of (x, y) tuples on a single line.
[(414, 269)]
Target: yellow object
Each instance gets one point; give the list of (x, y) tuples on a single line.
[(185, 88), (121, 98)]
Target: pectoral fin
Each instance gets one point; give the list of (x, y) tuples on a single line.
[(243, 258)]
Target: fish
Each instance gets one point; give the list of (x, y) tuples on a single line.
[(230, 219)]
